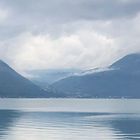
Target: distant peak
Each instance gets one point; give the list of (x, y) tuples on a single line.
[(131, 61)]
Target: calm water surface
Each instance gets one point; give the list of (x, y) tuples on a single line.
[(69, 119)]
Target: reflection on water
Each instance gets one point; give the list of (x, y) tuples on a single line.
[(102, 124), (21, 125), (7, 119)]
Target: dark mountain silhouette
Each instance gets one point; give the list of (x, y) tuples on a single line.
[(13, 84), (122, 80)]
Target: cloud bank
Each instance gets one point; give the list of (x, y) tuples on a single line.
[(67, 34)]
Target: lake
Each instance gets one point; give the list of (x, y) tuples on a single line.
[(69, 119)]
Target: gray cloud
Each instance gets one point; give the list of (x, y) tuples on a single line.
[(73, 10), (63, 33), (37, 15)]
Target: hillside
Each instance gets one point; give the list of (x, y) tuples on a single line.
[(122, 80), (13, 84)]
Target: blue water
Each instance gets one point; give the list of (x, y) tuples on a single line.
[(60, 119)]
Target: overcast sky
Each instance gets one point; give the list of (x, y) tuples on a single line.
[(48, 34)]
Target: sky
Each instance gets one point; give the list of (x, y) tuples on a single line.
[(60, 34)]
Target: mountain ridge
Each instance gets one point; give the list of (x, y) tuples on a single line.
[(13, 85), (122, 81)]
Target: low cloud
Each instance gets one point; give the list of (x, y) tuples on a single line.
[(83, 49), (67, 34)]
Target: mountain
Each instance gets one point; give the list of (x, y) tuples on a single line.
[(122, 79), (128, 63), (13, 85), (44, 78)]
